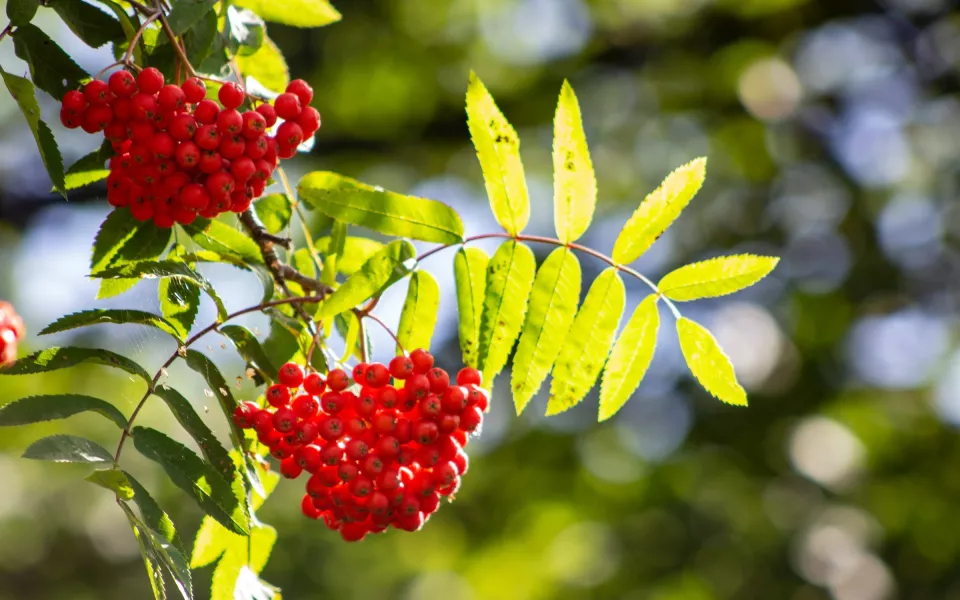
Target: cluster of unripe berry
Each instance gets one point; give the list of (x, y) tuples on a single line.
[(11, 331), (377, 453), (179, 155)]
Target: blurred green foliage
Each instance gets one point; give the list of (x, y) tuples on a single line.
[(831, 127)]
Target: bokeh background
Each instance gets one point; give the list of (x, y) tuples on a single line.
[(833, 133)]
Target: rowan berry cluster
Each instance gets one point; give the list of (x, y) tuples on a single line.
[(179, 155), (11, 331), (377, 453)]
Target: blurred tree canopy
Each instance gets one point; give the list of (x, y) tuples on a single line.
[(833, 132)]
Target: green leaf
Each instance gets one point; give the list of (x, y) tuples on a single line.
[(470, 274), (334, 250), (274, 212), (201, 40), (587, 344), (114, 232), (36, 409), (381, 270), (219, 237), (348, 326), (716, 277), (659, 210), (161, 557), (146, 243), (115, 316), (89, 23), (179, 303), (51, 69), (250, 349), (68, 448), (384, 212), (21, 12), (186, 13), (708, 363), (630, 357), (498, 149), (267, 66), (129, 31), (150, 558), (197, 478), (574, 182), (114, 480), (281, 345), (154, 516), (419, 315), (235, 577), (191, 422), (245, 31), (202, 365), (90, 168), (553, 304), (298, 13), (151, 269), (53, 359), (355, 251), (509, 279), (23, 92)]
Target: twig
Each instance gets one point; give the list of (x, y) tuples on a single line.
[(296, 301), (6, 30), (128, 56), (141, 7), (386, 327), (173, 41)]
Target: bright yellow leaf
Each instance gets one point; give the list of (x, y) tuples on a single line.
[(574, 182), (716, 277), (630, 358), (708, 363)]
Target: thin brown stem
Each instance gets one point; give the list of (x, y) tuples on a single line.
[(128, 56), (6, 31), (297, 301), (378, 320), (141, 7), (176, 46)]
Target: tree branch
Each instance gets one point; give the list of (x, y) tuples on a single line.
[(281, 271)]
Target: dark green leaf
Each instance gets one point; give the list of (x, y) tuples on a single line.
[(191, 422), (150, 269), (381, 270), (179, 303), (115, 231), (274, 212), (154, 516), (89, 23), (218, 385), (23, 92), (21, 12), (200, 39), (151, 559), (218, 237), (35, 409), (51, 69), (161, 557), (115, 316), (147, 243), (352, 202), (68, 448), (250, 349), (191, 474), (53, 359), (130, 25), (281, 344), (114, 480), (186, 13)]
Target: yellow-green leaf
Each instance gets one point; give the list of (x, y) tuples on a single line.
[(356, 251), (470, 273), (587, 344), (630, 358), (419, 316), (553, 304), (267, 66), (708, 363), (509, 278), (716, 277), (298, 13), (659, 210), (381, 270), (498, 148), (574, 182)]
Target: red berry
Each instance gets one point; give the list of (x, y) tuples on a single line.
[(254, 125), (331, 455), (68, 119), (377, 375), (232, 146), (357, 449), (96, 92), (388, 398), (439, 380), (372, 466), (385, 422), (269, 114), (461, 461), (289, 468), (468, 375), (289, 134), (348, 471), (422, 361), (353, 532), (401, 367), (220, 185), (74, 102), (308, 509), (308, 457), (244, 414), (162, 145), (171, 98), (95, 118), (331, 429), (230, 121), (366, 403), (337, 380), (477, 397), (123, 84), (207, 137), (430, 406), (194, 89), (242, 170), (305, 406), (358, 371), (387, 447), (284, 420), (332, 403), (183, 127), (302, 90), (471, 418), (206, 112), (454, 400), (430, 503), (417, 388), (210, 162), (309, 121), (449, 423), (288, 106), (404, 430), (425, 432), (278, 395), (230, 95), (150, 80), (305, 432), (313, 383)]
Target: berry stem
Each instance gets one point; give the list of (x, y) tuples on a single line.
[(128, 56), (141, 7), (571, 245), (176, 45), (364, 350), (362, 315), (296, 300), (6, 30)]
